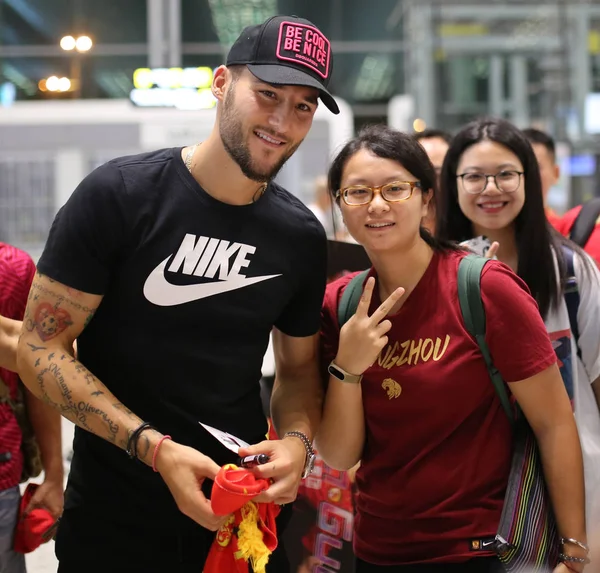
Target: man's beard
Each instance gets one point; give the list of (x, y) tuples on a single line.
[(230, 127)]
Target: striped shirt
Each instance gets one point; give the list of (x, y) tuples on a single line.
[(16, 275)]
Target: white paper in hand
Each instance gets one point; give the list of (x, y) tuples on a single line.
[(230, 441)]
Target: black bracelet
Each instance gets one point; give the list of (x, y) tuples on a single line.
[(132, 442)]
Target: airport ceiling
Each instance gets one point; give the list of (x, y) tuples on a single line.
[(119, 30)]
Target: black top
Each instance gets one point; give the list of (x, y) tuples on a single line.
[(192, 287)]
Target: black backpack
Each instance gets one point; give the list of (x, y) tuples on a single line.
[(585, 222)]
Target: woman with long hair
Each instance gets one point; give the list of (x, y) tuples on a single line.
[(408, 390), (491, 191)]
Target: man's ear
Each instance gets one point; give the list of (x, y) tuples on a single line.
[(556, 172), (221, 79)]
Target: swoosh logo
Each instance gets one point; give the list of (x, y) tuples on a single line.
[(159, 291)]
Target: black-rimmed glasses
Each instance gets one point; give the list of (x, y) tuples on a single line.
[(476, 183)]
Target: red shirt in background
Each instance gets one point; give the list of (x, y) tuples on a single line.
[(554, 219), (16, 275), (438, 444), (593, 245)]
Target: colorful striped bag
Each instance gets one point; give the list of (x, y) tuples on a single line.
[(527, 538)]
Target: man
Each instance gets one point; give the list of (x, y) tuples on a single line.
[(16, 273), (171, 268), (545, 152), (436, 144)]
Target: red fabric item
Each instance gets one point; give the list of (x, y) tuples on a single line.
[(554, 219), (592, 247), (31, 527), (232, 489), (16, 275), (438, 444)]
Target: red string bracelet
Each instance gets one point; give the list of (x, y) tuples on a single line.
[(156, 448)]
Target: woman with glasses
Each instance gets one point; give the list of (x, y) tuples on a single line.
[(408, 391), (491, 191)]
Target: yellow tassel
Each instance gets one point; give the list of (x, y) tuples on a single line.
[(250, 539)]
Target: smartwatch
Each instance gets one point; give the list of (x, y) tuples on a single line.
[(342, 375)]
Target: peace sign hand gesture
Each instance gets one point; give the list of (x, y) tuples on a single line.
[(363, 337)]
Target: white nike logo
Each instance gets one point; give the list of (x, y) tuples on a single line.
[(487, 543), (159, 291)]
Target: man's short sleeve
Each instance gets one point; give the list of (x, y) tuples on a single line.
[(88, 233), (515, 332), (302, 315)]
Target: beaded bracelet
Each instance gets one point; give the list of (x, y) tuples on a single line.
[(570, 559)]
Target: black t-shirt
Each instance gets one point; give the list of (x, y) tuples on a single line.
[(191, 289)]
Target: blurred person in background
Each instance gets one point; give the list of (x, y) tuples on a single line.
[(171, 268), (544, 148), (409, 393), (492, 191), (436, 143), (591, 243), (16, 274), (322, 207), (545, 152)]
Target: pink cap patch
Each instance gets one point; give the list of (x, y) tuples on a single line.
[(304, 45)]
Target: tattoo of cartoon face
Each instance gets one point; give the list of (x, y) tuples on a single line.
[(49, 321)]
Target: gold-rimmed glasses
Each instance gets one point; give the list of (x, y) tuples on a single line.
[(391, 192)]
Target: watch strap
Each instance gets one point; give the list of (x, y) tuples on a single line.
[(342, 375)]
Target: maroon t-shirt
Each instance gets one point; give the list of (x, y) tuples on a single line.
[(438, 444)]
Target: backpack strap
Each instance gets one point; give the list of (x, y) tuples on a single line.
[(585, 222), (572, 294), (351, 297), (471, 306)]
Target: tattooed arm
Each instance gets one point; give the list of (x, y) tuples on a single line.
[(55, 316)]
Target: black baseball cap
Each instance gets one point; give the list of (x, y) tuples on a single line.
[(287, 50)]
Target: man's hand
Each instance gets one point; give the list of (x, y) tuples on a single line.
[(50, 496), (184, 470), (286, 464)]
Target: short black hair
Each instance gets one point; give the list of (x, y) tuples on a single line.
[(388, 143), (542, 138), (433, 134)]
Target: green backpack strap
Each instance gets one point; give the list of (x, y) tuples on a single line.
[(351, 297), (471, 306)]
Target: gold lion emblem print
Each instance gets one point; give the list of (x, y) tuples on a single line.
[(392, 388)]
